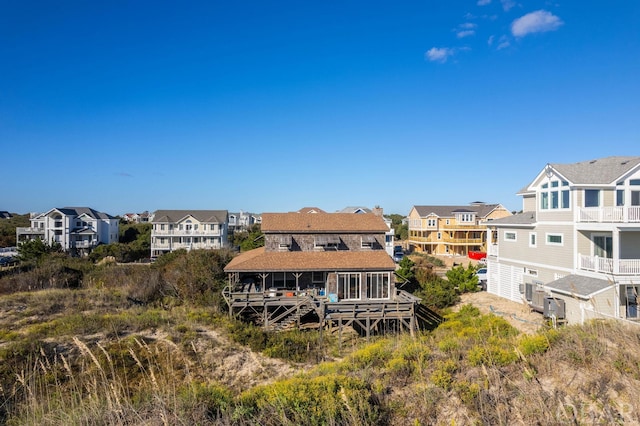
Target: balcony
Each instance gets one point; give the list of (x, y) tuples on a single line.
[(618, 214), (30, 231), (447, 240), (186, 232), (83, 244), (610, 266)]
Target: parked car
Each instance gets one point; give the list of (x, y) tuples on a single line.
[(8, 261), (398, 256), (482, 277), (482, 274), (397, 249)]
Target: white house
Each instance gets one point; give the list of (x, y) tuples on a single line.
[(188, 229), (76, 229), (574, 252)]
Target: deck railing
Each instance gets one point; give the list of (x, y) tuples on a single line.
[(617, 214), (610, 266)]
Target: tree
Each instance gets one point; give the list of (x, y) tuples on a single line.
[(8, 229), (464, 279), (35, 249), (249, 240), (401, 231)]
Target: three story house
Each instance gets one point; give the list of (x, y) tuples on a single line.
[(188, 229), (77, 229), (574, 252)]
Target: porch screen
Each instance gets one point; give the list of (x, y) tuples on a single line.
[(349, 286), (377, 285)]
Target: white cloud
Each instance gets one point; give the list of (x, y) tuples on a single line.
[(468, 25), (465, 33), (507, 4), (483, 2), (535, 22), (439, 54), (490, 41), (503, 42)]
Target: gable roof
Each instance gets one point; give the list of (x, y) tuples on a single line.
[(355, 209), (600, 171), (519, 219), (174, 216), (482, 210), (260, 260), (78, 211), (328, 222), (310, 210)]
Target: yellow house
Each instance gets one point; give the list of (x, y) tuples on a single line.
[(454, 230)]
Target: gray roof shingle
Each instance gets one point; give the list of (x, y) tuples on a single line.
[(173, 216), (578, 285)]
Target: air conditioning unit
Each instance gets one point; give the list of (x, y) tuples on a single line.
[(537, 299), (553, 307), (528, 291)]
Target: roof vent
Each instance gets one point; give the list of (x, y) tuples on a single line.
[(592, 161)]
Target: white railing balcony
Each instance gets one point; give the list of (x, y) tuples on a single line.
[(30, 230), (618, 214), (610, 266), (187, 232), (82, 244)]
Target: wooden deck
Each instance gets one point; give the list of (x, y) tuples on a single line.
[(284, 309)]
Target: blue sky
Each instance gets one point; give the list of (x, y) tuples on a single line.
[(126, 106)]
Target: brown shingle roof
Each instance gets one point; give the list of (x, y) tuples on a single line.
[(329, 222), (259, 260)]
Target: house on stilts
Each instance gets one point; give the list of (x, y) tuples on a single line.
[(323, 270)]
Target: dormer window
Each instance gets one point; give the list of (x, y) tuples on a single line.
[(284, 242), (326, 241), (466, 217), (368, 241)]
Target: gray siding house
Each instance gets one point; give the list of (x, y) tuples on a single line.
[(573, 254)]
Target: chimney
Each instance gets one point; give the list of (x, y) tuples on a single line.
[(377, 210)]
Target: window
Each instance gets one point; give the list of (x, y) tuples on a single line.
[(283, 280), (591, 197), (378, 285), (368, 241), (318, 278), (439, 235), (554, 239), (326, 241), (431, 223), (630, 300), (162, 226), (509, 236), (603, 246), (554, 195), (349, 286), (620, 197), (466, 217), (284, 242), (532, 239), (532, 272)]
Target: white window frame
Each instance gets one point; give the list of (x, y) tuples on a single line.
[(385, 286), (511, 240), (533, 239), (553, 234), (348, 275)]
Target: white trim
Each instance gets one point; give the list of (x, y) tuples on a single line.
[(554, 234)]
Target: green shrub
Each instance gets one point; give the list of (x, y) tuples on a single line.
[(533, 344)]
